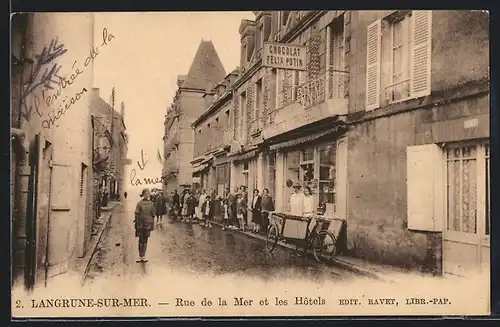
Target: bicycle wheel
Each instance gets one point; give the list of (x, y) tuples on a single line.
[(272, 237), (324, 247)]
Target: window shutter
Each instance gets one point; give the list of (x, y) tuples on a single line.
[(421, 23), (267, 28), (425, 187), (373, 65)]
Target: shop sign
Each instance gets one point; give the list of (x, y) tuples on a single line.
[(197, 180), (284, 56)]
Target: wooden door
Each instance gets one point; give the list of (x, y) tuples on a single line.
[(466, 247)]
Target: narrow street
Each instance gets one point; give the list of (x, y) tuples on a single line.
[(193, 249)]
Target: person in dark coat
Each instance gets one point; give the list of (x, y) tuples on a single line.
[(125, 194), (160, 208), (191, 204), (105, 198), (267, 205), (144, 222), (207, 210), (175, 204), (256, 208)]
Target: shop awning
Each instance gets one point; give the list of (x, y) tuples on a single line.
[(207, 160), (305, 139), (245, 156), (198, 168), (222, 160)]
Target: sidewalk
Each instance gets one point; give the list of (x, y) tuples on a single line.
[(372, 270), (98, 228)]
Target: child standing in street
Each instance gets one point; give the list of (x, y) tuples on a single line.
[(144, 222), (207, 211)]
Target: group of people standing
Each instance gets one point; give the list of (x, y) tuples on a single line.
[(192, 206), (200, 206), (236, 208)]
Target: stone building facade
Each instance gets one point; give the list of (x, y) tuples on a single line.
[(213, 133), (388, 126), (188, 104), (51, 144)]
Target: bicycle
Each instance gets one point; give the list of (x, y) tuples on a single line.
[(295, 230)]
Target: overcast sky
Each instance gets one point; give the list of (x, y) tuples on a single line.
[(148, 52)]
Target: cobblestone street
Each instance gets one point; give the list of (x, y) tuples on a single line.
[(193, 249)]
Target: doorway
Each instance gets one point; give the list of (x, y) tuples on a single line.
[(466, 236)]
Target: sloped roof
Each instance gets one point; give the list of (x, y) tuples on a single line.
[(101, 108), (206, 68)]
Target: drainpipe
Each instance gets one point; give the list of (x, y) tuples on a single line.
[(24, 172)]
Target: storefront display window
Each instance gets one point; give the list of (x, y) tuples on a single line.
[(313, 166), (327, 173)]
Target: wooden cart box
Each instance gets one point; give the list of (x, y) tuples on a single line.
[(293, 227)]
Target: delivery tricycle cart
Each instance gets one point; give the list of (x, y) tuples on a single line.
[(293, 229)]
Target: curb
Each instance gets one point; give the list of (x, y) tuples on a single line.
[(338, 262), (98, 240)]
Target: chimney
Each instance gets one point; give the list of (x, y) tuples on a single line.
[(122, 110), (95, 91)]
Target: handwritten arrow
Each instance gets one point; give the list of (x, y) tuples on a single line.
[(142, 160)]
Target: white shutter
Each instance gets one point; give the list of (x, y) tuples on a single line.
[(425, 187), (421, 24), (373, 65)]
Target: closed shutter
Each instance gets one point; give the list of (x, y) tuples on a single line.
[(267, 28), (425, 185), (373, 65), (421, 23)]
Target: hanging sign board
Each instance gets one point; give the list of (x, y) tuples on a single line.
[(284, 56)]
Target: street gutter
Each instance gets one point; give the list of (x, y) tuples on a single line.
[(93, 246), (336, 261)]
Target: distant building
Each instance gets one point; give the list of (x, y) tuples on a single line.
[(50, 146), (206, 71), (109, 148), (213, 136)]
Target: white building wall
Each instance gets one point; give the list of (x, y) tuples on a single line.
[(69, 134)]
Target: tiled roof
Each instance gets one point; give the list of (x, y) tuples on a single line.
[(205, 69)]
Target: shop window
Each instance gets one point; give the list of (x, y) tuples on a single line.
[(327, 173), (307, 166), (314, 167), (465, 188)]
